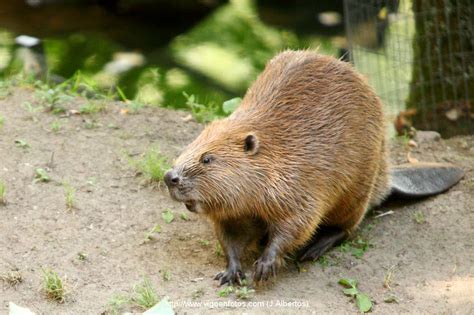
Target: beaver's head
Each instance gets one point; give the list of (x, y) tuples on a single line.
[(214, 172)]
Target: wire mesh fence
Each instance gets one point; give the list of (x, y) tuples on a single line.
[(419, 57)]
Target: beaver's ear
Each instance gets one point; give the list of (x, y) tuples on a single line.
[(251, 144)]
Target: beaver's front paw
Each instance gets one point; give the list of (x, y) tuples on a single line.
[(230, 276), (264, 268)]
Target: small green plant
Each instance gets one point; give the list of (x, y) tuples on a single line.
[(202, 113), (357, 246), (41, 176), (153, 165), (21, 144), (419, 217), (144, 295), (55, 126), (92, 108), (323, 261), (218, 250), (69, 193), (3, 192), (32, 109), (150, 234), (226, 291), (166, 275), (53, 286), (91, 124), (133, 105), (363, 301), (117, 303), (244, 293), (204, 243), (184, 217), (167, 216), (2, 121), (82, 256)]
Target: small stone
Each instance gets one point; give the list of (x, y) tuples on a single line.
[(427, 136), (453, 114), (412, 143)]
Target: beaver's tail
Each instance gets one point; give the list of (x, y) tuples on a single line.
[(418, 180)]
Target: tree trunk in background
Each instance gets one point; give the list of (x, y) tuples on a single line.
[(442, 86)]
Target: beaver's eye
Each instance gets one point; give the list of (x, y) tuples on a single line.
[(206, 159)]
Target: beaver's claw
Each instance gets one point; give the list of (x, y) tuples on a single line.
[(264, 268), (231, 276)]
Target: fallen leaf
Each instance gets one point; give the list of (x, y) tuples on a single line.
[(187, 118)]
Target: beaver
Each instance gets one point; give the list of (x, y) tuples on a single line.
[(296, 166)]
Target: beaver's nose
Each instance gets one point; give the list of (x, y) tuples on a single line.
[(171, 178)]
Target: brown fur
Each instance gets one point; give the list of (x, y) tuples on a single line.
[(317, 157)]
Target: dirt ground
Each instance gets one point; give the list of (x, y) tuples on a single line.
[(423, 250)]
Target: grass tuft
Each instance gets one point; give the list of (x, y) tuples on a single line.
[(3, 192), (53, 286), (69, 193), (144, 295), (55, 126), (117, 303), (153, 165), (92, 108)]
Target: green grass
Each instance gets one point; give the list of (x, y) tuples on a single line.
[(3, 192), (2, 121), (152, 165), (21, 144), (69, 194), (117, 303), (357, 246), (167, 216), (92, 108), (166, 275), (53, 286), (144, 295), (41, 176), (363, 301), (226, 291), (218, 250), (419, 217), (203, 113), (244, 293), (55, 126)]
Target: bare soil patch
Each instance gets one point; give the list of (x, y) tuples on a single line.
[(421, 254)]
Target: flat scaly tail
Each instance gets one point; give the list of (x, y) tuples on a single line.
[(418, 180)]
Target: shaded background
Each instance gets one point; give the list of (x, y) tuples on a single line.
[(212, 50)]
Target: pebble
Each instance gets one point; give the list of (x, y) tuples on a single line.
[(427, 136)]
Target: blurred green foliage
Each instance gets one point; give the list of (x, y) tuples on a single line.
[(199, 70)]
